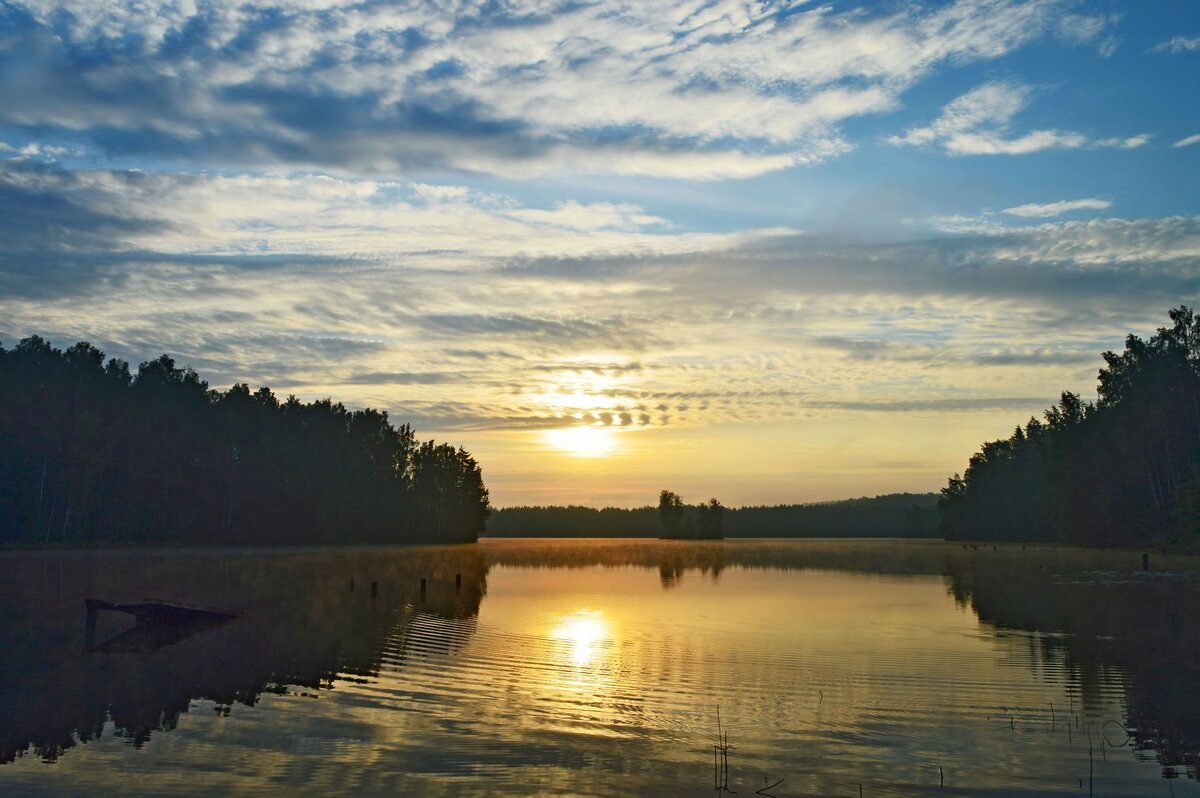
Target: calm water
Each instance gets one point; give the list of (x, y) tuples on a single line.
[(597, 668)]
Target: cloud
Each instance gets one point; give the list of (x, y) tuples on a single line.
[(142, 223), (1178, 44), (1080, 29), (979, 123), (960, 224), (67, 227), (596, 216), (1057, 208), (957, 405), (36, 150), (1076, 262), (932, 353), (570, 334), (1187, 142), (397, 378), (1143, 246), (1128, 143), (459, 308), (57, 233), (709, 91)]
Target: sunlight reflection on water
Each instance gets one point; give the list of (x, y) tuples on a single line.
[(585, 634), (533, 668)]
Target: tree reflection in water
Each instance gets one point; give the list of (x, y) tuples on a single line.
[(305, 618), (1097, 614), (308, 621)]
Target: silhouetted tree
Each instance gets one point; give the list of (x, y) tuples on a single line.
[(670, 514), (92, 454), (710, 525), (1121, 470)]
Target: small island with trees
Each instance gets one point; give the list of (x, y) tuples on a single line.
[(679, 521)]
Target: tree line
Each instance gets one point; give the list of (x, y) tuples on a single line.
[(893, 515), (91, 453), (1117, 471)]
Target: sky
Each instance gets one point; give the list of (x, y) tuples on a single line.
[(770, 252)]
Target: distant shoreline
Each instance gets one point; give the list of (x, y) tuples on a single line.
[(895, 515), (256, 548)]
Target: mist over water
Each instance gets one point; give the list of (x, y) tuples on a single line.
[(597, 668)]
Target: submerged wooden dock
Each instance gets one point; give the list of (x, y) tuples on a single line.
[(159, 624)]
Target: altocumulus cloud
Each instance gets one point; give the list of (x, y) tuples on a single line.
[(395, 293), (686, 89), (111, 217)]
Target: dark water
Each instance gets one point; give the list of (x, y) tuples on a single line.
[(597, 668)]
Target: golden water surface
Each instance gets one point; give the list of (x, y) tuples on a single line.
[(599, 667)]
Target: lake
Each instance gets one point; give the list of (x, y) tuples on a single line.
[(598, 668)]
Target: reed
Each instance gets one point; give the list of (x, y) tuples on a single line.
[(721, 751)]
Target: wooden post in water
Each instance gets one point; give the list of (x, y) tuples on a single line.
[(374, 595), (457, 582), (89, 634), (422, 589), (1145, 561)]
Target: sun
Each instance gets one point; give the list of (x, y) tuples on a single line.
[(582, 441)]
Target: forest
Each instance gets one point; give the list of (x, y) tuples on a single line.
[(1117, 471), (893, 515), (92, 454)]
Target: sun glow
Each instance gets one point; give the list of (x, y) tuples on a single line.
[(582, 441), (584, 633)]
